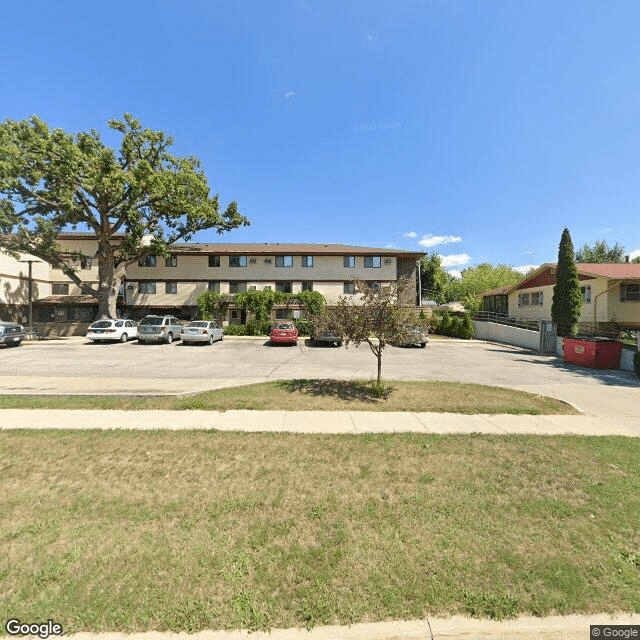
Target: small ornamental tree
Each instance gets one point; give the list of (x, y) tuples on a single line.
[(377, 315), (213, 305), (136, 200), (566, 307)]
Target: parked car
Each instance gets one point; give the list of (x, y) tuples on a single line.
[(284, 331), (201, 331), (416, 336), (329, 337), (112, 330), (154, 328), (11, 334)]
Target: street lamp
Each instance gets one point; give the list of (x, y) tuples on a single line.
[(30, 291)]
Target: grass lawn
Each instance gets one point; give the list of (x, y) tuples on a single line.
[(132, 531), (327, 395)]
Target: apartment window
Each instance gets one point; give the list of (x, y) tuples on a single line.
[(214, 261), (87, 314), (349, 262), (267, 287), (284, 261), (60, 289), (307, 261), (146, 287), (214, 286), (171, 287), (630, 293), (86, 263), (237, 261), (282, 314), (586, 293), (285, 287), (252, 287), (307, 286), (171, 261), (267, 260), (523, 300), (237, 287), (349, 287), (147, 261), (536, 299), (372, 262)]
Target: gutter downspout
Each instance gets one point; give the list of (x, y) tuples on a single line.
[(595, 302), (419, 285)]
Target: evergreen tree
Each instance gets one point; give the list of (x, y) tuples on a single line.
[(566, 307)]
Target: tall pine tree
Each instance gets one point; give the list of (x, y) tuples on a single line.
[(566, 307)]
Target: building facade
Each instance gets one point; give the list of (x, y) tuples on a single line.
[(159, 284)]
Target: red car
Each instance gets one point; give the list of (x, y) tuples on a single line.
[(284, 331)]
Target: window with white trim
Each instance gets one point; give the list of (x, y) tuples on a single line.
[(586, 293), (523, 299), (630, 293), (537, 299)]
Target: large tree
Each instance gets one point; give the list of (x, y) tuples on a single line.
[(601, 252), (434, 280), (136, 201), (377, 315), (566, 306)]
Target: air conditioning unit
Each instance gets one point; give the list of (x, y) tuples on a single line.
[(267, 260), (388, 261), (253, 260)]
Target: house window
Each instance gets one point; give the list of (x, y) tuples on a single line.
[(282, 314), (349, 287), (147, 261), (586, 293), (85, 262), (536, 299), (171, 261), (372, 262), (237, 261), (307, 261), (87, 314), (523, 299), (214, 261), (349, 262), (214, 286), (171, 287), (146, 287), (237, 287), (307, 286), (60, 289), (252, 287), (284, 261), (630, 293), (285, 287)]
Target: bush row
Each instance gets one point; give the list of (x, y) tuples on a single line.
[(263, 328), (454, 326)]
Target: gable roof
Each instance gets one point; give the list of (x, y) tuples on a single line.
[(611, 270)]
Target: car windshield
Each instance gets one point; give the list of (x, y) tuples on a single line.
[(156, 322), (284, 325), (199, 324), (101, 324)]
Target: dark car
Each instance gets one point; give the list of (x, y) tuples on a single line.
[(11, 334), (328, 337)]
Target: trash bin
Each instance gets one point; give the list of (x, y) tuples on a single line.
[(597, 353)]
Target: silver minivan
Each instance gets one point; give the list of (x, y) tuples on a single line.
[(159, 329)]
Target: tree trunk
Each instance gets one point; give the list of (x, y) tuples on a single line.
[(108, 281), (379, 365)]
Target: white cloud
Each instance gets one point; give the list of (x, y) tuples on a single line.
[(528, 252), (431, 241), (410, 234), (525, 268), (456, 273), (289, 94), (455, 259), (634, 254)]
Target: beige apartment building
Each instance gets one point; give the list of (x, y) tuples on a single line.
[(158, 284)]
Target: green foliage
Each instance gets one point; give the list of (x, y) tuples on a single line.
[(566, 307), (137, 200), (601, 252), (313, 302), (257, 303), (467, 330), (304, 326), (434, 279), (476, 280), (212, 305), (636, 363), (258, 327), (446, 324), (235, 330)]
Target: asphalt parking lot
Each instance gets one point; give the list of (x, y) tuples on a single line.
[(74, 365)]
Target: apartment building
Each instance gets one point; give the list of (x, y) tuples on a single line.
[(159, 284)]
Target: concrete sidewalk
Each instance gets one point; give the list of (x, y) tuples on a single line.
[(329, 422), (572, 627)]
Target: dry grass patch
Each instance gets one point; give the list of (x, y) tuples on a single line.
[(131, 531), (322, 395)]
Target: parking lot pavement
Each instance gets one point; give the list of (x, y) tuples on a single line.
[(75, 366)]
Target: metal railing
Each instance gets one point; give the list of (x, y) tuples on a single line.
[(532, 324)]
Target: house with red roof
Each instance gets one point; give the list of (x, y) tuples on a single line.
[(610, 294)]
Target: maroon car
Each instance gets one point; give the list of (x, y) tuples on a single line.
[(284, 331)]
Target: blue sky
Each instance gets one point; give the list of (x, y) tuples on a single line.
[(477, 129)]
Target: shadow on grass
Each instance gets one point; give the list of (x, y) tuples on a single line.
[(348, 390)]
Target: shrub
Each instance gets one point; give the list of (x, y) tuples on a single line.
[(446, 324), (257, 327), (235, 330), (636, 362), (466, 327), (304, 326), (435, 323)]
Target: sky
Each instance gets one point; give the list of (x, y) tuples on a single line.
[(477, 129)]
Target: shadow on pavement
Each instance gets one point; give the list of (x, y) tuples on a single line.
[(350, 390)]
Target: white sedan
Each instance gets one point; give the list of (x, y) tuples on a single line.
[(204, 331), (112, 330)]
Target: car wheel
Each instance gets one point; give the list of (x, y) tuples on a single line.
[(423, 345), (142, 341), (124, 337), (211, 340), (169, 338), (95, 341)]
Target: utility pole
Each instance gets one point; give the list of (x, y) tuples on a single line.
[(30, 262)]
